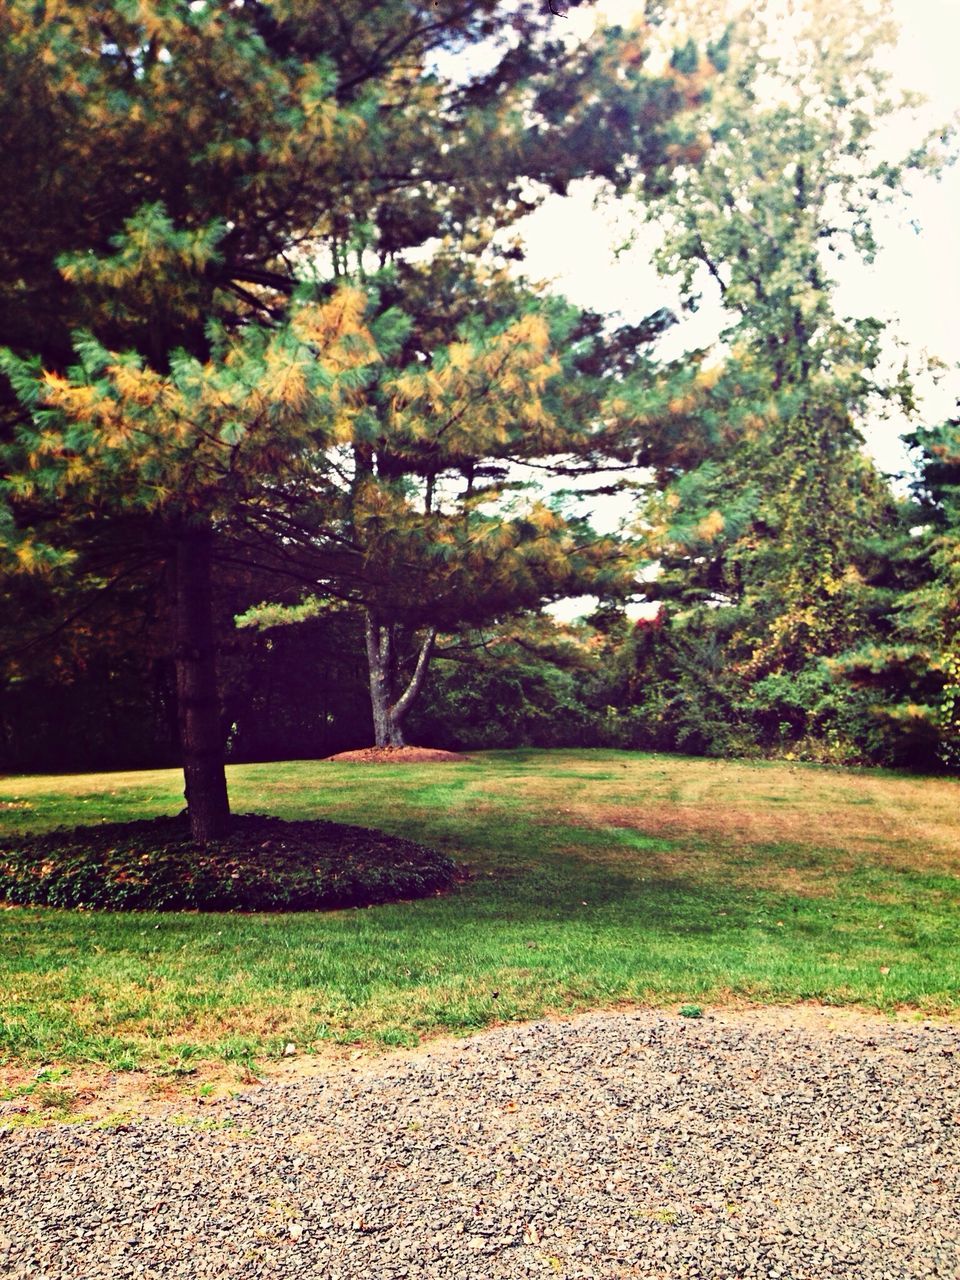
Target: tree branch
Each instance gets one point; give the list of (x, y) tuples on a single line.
[(404, 703)]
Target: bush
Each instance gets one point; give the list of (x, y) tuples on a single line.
[(521, 704), (264, 864)]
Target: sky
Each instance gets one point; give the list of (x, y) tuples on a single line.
[(914, 282)]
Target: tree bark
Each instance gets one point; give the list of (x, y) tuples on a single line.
[(198, 709), (378, 663), (389, 712)]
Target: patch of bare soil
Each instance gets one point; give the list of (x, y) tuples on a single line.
[(98, 1095), (397, 755)]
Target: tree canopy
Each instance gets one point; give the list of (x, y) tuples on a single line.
[(773, 509), (263, 321), (423, 522)]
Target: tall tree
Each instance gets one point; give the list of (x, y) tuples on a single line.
[(190, 445), (427, 525), (771, 511), (180, 169)]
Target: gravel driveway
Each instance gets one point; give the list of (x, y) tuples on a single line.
[(613, 1145)]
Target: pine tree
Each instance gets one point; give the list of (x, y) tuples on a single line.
[(912, 669), (189, 446), (188, 181), (428, 527)]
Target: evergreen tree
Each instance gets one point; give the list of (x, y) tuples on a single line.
[(190, 445), (428, 527), (913, 669), (188, 181)]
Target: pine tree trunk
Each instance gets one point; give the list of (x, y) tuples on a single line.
[(201, 740)]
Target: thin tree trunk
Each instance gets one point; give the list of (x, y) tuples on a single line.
[(389, 713), (398, 711), (201, 739)]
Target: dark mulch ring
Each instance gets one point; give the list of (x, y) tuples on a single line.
[(264, 864)]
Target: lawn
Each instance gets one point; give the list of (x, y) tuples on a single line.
[(593, 878)]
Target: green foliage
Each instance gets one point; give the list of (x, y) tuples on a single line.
[(263, 864), (912, 672), (210, 182), (768, 526), (113, 432), (423, 522), (515, 701), (668, 685)]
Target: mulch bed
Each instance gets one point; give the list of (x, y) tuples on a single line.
[(398, 755), (264, 864)]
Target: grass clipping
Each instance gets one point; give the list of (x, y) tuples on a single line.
[(263, 864)]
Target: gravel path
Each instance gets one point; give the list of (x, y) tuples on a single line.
[(611, 1146)]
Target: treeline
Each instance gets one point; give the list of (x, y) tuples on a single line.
[(673, 681)]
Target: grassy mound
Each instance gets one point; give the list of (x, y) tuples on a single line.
[(264, 864)]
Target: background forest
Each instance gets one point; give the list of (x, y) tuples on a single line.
[(296, 454)]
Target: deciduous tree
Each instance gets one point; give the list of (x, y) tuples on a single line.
[(763, 532)]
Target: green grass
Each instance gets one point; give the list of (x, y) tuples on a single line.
[(596, 878)]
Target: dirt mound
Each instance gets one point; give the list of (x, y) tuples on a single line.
[(398, 755)]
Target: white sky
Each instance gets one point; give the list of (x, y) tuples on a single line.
[(915, 280)]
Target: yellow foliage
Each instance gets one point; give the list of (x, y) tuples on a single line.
[(56, 386), (343, 428), (406, 387), (682, 404), (77, 469), (285, 383), (25, 554), (543, 518), (330, 325), (142, 386), (461, 355), (710, 526), (535, 415), (530, 329)]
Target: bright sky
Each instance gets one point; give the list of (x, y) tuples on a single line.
[(915, 280)]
